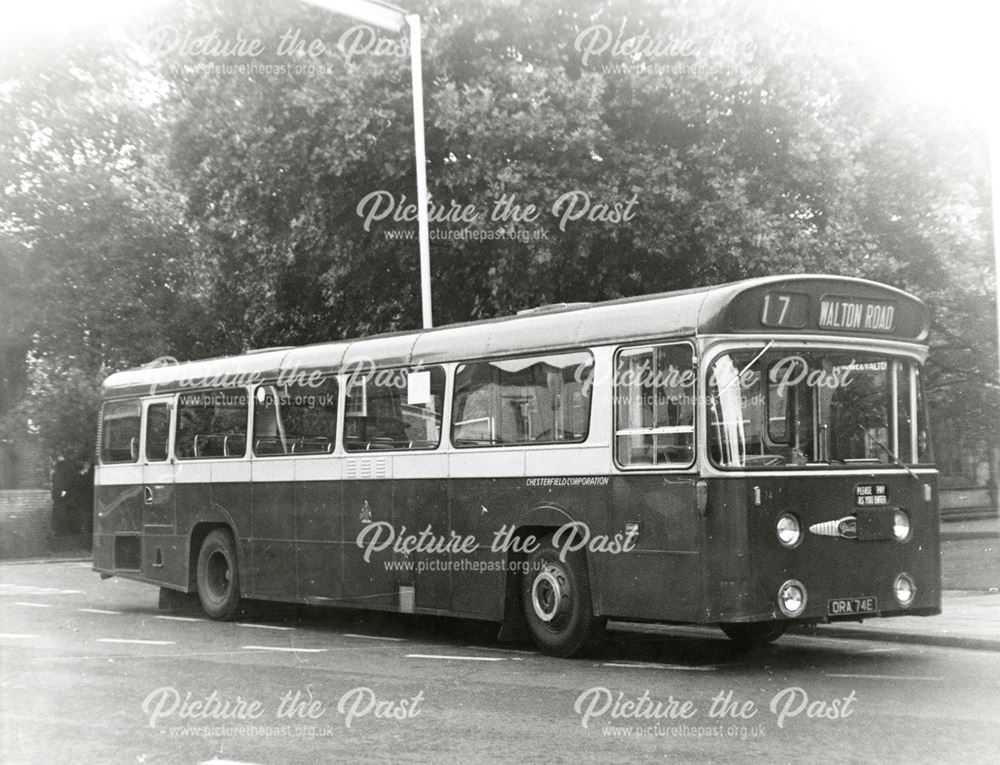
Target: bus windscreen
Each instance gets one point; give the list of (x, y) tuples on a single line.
[(787, 408)]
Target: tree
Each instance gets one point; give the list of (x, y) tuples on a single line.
[(94, 250), (699, 143)]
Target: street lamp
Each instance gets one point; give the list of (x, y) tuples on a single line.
[(393, 19)]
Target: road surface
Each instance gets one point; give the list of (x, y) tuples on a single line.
[(93, 672)]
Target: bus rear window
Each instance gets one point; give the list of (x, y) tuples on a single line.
[(120, 432)]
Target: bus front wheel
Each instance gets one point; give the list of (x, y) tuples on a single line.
[(754, 634), (218, 582), (555, 595)]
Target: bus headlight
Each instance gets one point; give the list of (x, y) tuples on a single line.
[(789, 530), (901, 526), (792, 597), (904, 589)]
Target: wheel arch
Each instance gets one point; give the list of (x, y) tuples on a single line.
[(217, 518), (540, 522)]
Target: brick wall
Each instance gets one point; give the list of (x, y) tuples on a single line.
[(25, 523), (23, 464)]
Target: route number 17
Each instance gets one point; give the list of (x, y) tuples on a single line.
[(783, 309)]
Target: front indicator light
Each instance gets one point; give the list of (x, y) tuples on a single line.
[(901, 526), (904, 589), (792, 597), (789, 530)]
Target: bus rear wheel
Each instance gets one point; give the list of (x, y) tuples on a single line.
[(218, 581), (555, 596), (754, 634)]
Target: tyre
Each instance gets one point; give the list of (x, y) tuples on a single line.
[(555, 596), (754, 634), (218, 579)]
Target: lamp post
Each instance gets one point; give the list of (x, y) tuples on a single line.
[(995, 204), (393, 19)]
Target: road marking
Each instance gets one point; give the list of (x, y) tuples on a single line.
[(888, 677), (374, 637), (225, 762), (180, 618), (645, 665), (97, 611), (136, 642), (17, 636), (121, 658), (453, 658), (28, 589), (263, 626), (281, 648), (32, 605)]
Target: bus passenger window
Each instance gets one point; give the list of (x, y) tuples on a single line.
[(157, 432), (211, 423), (295, 419), (537, 400), (389, 410), (120, 432), (654, 405)]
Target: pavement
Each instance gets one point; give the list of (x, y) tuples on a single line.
[(970, 600), (967, 620)]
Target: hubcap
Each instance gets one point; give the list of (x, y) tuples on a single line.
[(550, 595)]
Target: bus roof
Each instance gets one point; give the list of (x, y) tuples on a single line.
[(817, 304)]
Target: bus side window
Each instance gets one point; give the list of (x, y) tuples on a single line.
[(120, 431), (211, 423), (295, 419), (157, 432), (654, 406), (536, 400), (386, 410)]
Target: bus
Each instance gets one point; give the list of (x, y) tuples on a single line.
[(752, 455)]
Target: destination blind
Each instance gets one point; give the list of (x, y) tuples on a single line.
[(856, 314)]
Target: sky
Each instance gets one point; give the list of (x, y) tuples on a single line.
[(940, 52)]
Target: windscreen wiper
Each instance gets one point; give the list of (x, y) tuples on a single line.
[(739, 375), (892, 456)]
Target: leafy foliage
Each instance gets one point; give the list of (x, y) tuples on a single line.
[(163, 200)]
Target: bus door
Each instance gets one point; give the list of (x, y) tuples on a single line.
[(653, 497), (163, 555)]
